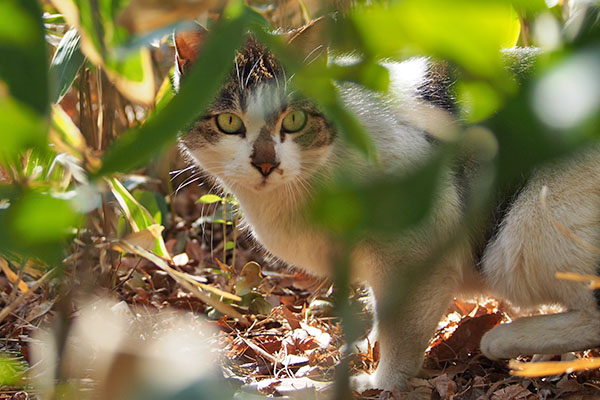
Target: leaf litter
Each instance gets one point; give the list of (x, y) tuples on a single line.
[(286, 340)]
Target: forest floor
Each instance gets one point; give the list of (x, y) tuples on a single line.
[(290, 344)]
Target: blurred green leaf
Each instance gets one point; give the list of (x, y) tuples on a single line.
[(139, 144), (529, 5), (7, 192), (38, 224), (478, 100), (12, 371), (22, 128), (386, 204), (41, 218), (257, 20), (369, 73), (525, 143), (352, 129), (469, 33), (23, 53), (65, 64)]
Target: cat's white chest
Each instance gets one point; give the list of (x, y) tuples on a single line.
[(286, 235)]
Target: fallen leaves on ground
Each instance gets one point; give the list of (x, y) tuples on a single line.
[(291, 342)]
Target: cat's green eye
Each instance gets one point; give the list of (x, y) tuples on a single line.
[(294, 121), (230, 123)]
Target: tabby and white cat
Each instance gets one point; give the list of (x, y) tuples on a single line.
[(269, 147)]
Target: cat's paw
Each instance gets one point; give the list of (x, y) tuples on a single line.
[(362, 382), (498, 344)]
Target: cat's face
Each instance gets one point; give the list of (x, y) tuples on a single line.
[(257, 135)]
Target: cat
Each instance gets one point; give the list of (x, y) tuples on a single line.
[(269, 148)]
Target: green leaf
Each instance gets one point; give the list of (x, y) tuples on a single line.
[(65, 64), (22, 128), (524, 142), (153, 202), (39, 225), (12, 371), (197, 90), (352, 129), (386, 204), (102, 43), (137, 215), (229, 245), (370, 74), (41, 218), (23, 53), (469, 33), (209, 199), (478, 100)]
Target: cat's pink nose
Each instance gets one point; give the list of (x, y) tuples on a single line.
[(265, 168)]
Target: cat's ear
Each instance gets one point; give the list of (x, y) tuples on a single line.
[(187, 45), (311, 40)]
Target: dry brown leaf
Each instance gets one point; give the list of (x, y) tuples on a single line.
[(250, 278), (12, 277), (466, 337), (148, 15), (548, 368), (146, 238), (224, 267), (188, 282), (512, 392), (444, 386), (290, 317)]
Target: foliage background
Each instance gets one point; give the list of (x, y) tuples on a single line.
[(89, 119)]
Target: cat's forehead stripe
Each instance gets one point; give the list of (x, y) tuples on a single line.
[(265, 102), (254, 65)]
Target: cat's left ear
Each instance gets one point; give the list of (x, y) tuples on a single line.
[(187, 45), (311, 40)]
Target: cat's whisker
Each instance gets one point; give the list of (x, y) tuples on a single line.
[(275, 75), (289, 80), (237, 71), (285, 82), (187, 182), (176, 173), (252, 69), (312, 52)]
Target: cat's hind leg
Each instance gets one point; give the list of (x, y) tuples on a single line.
[(521, 261)]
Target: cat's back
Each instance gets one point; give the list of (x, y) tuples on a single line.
[(406, 121)]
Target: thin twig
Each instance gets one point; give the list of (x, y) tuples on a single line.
[(5, 312)]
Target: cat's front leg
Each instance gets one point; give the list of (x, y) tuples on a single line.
[(404, 329)]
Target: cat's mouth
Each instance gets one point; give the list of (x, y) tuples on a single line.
[(264, 185), (267, 183)]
